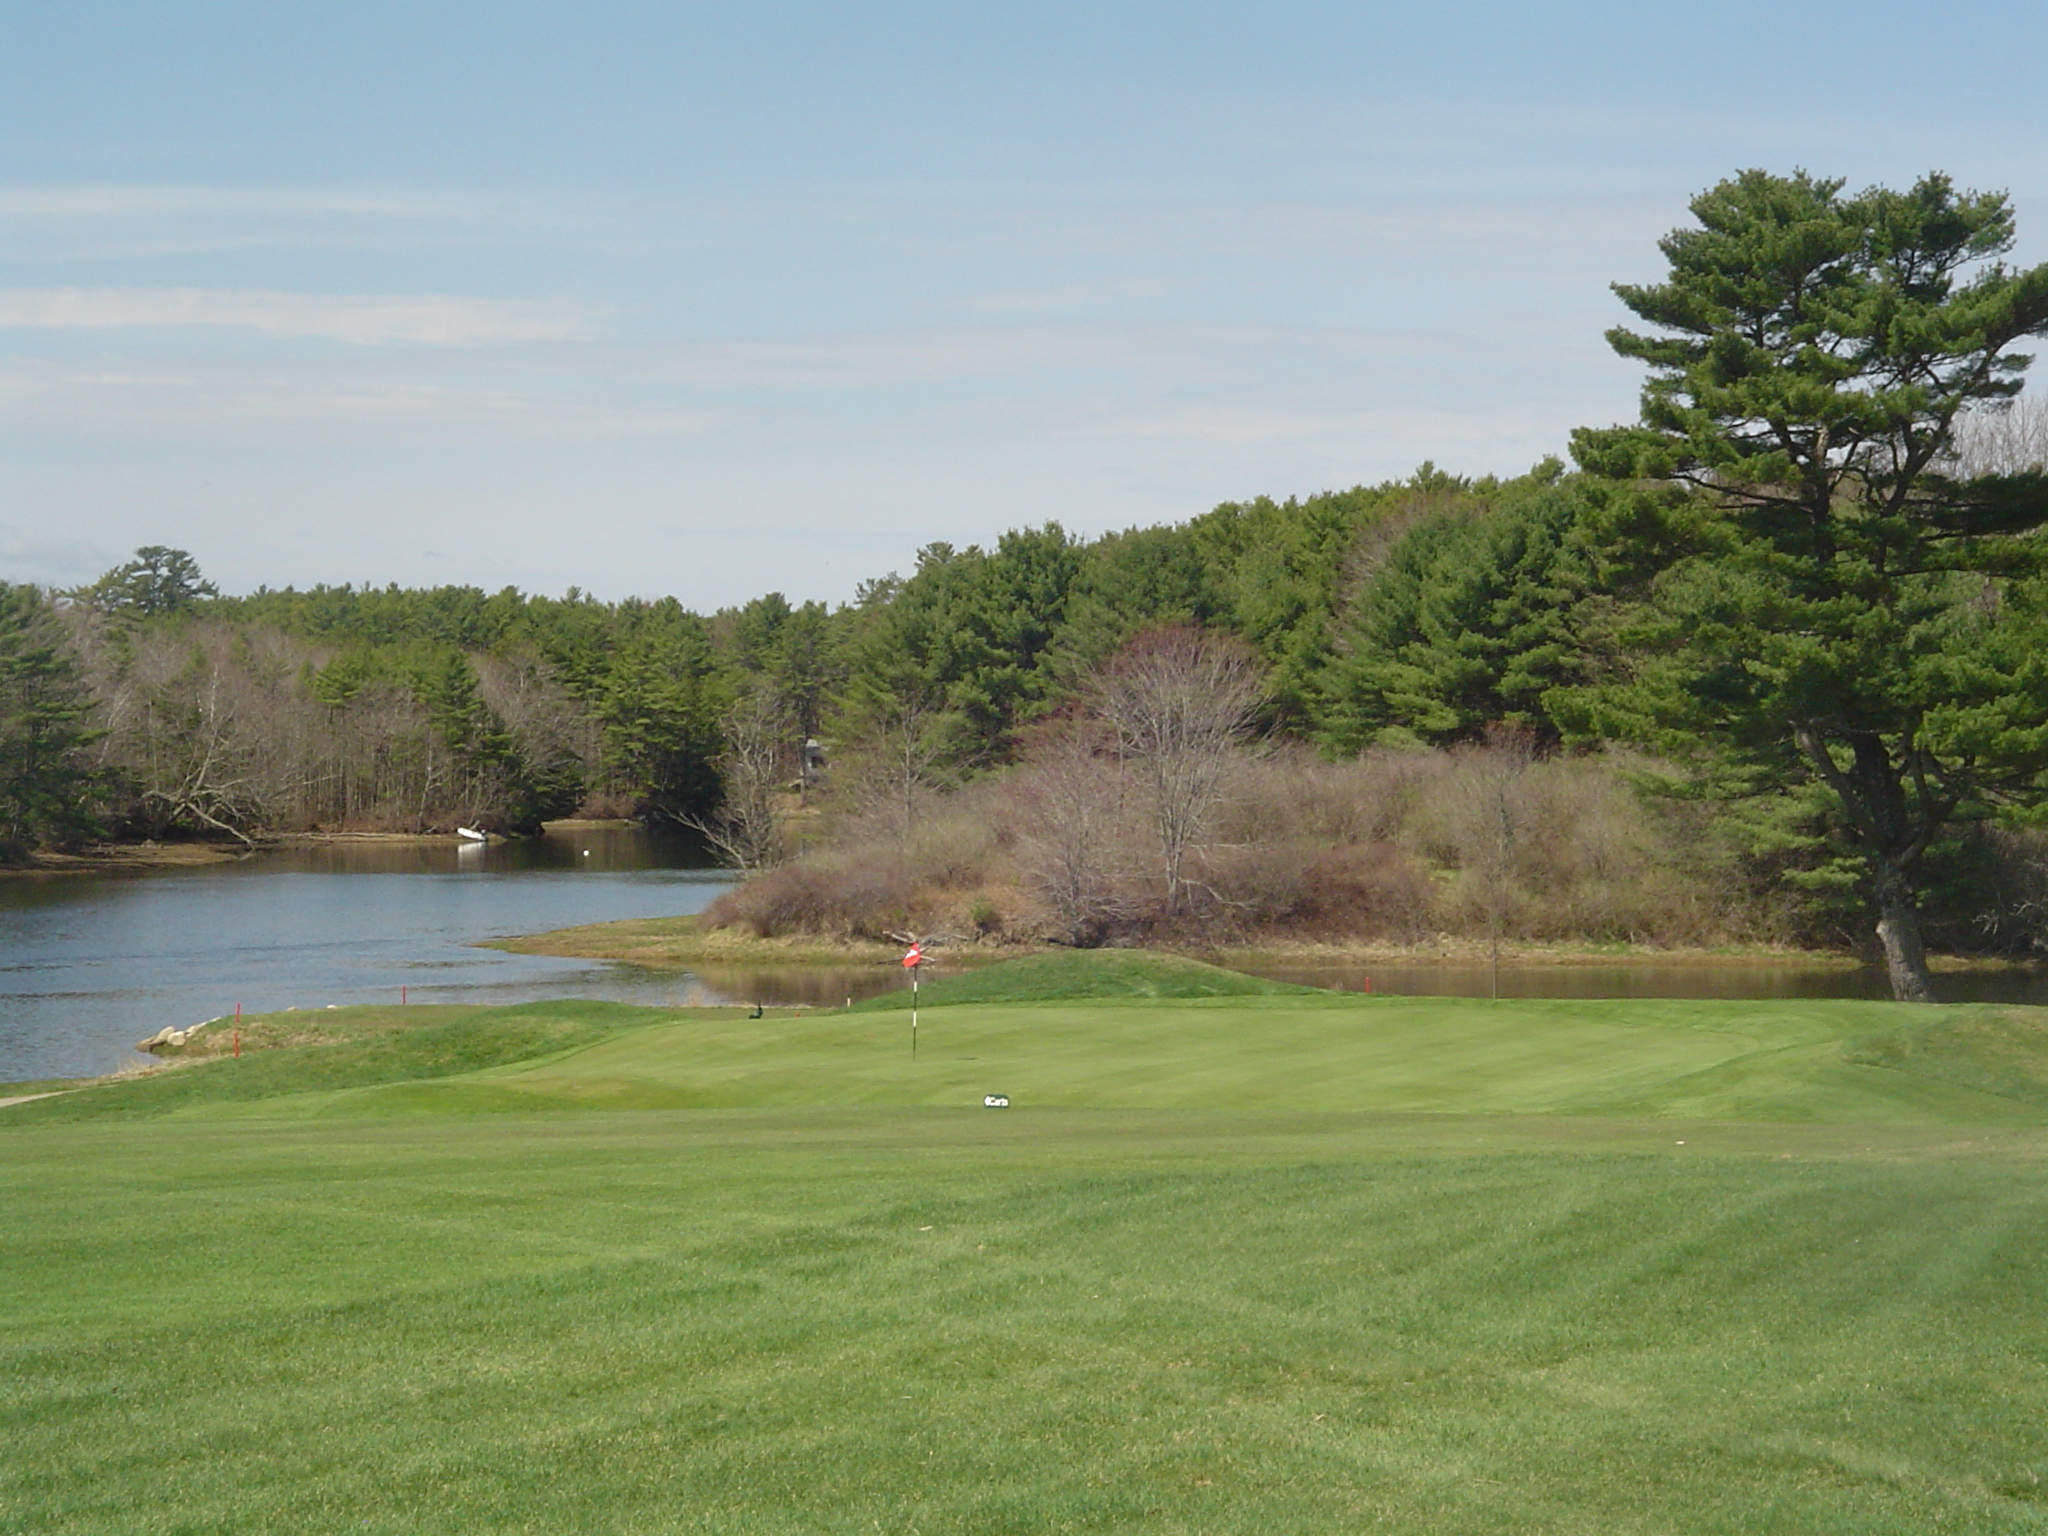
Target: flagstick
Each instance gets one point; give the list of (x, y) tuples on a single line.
[(911, 962)]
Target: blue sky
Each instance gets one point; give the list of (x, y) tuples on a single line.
[(713, 300)]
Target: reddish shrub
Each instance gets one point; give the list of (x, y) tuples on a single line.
[(1369, 890), (855, 900)]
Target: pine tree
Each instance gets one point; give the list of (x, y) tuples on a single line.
[(48, 784), (1833, 602)]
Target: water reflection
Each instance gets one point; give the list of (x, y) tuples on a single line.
[(1763, 981), (807, 986), (829, 986), (598, 847)]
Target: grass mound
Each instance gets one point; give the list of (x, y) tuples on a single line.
[(1085, 973), (1999, 1051), (349, 1048)]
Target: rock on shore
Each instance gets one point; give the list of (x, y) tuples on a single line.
[(168, 1038)]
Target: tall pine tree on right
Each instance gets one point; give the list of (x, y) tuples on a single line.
[(1825, 589)]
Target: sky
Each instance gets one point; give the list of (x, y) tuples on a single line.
[(710, 300)]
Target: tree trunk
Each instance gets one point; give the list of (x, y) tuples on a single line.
[(1892, 831), (1898, 930)]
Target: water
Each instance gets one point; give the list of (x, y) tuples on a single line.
[(90, 964), (1761, 981)]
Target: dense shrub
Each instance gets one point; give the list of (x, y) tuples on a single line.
[(839, 894), (1394, 846)]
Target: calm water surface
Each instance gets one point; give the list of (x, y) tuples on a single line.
[(1735, 980), (90, 964)]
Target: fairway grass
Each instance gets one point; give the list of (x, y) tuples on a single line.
[(1259, 1263)]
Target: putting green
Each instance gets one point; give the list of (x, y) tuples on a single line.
[(1289, 1054)]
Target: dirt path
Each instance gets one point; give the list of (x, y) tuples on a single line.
[(29, 1098)]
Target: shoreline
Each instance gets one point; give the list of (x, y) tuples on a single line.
[(677, 943), (112, 858)]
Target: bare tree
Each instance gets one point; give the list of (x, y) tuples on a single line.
[(901, 759), (197, 758), (556, 733), (1181, 703), (1072, 790), (1495, 820), (745, 832)]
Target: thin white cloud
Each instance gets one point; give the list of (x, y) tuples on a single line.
[(439, 320), (96, 201), (1254, 426), (229, 403), (1067, 296), (59, 224), (1174, 355), (860, 360)]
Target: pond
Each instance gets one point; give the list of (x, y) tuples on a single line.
[(92, 963)]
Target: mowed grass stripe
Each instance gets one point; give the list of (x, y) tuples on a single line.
[(627, 1322), (381, 1202), (1249, 1053)]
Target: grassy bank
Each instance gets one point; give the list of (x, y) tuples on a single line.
[(113, 857), (103, 858), (1242, 1260), (690, 940), (677, 942)]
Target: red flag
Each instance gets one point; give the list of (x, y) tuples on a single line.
[(914, 959)]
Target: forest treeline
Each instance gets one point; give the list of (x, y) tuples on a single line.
[(156, 707), (1423, 632), (1771, 661)]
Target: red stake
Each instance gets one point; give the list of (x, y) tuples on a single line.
[(238, 1045), (401, 995)]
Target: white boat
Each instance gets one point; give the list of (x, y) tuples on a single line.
[(472, 834)]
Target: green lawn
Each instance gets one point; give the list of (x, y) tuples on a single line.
[(1264, 1263)]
